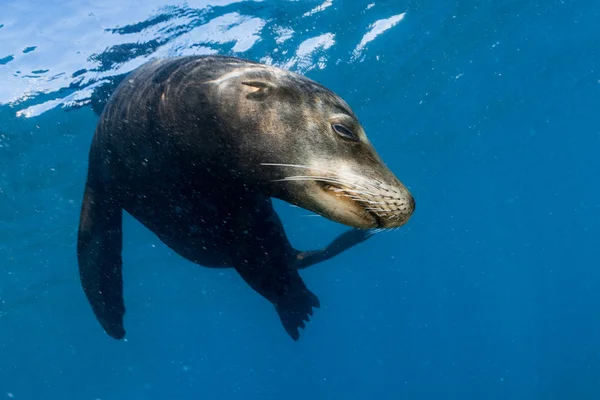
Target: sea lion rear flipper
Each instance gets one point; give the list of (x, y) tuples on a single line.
[(288, 293), (343, 242), (99, 246)]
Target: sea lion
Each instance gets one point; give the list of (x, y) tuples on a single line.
[(195, 147)]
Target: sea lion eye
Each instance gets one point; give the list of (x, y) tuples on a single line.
[(344, 132)]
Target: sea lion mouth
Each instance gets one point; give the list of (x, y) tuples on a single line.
[(340, 191), (348, 198), (377, 218)]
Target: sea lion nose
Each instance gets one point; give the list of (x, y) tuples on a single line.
[(412, 203)]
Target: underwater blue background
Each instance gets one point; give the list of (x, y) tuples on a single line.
[(486, 110)]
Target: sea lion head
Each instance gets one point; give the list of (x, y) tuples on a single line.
[(303, 144)]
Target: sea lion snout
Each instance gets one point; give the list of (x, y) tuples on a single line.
[(413, 204), (358, 196), (385, 203)]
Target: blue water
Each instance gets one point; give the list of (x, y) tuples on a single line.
[(487, 110)]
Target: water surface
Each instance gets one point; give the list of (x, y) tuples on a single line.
[(487, 110)]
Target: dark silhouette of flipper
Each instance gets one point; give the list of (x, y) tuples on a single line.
[(343, 242), (99, 246), (286, 290)]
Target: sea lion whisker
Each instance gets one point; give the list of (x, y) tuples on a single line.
[(372, 232), (380, 210), (354, 192), (299, 166), (305, 178), (362, 200), (351, 176), (363, 192), (326, 171), (309, 178), (350, 186), (343, 177), (342, 191), (378, 230), (318, 178)]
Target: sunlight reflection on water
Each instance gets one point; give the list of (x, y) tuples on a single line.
[(81, 46)]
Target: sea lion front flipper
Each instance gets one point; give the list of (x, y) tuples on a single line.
[(343, 242), (286, 290), (99, 245)]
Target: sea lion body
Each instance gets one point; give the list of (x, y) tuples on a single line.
[(194, 148)]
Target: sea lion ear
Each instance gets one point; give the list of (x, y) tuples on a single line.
[(263, 89)]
